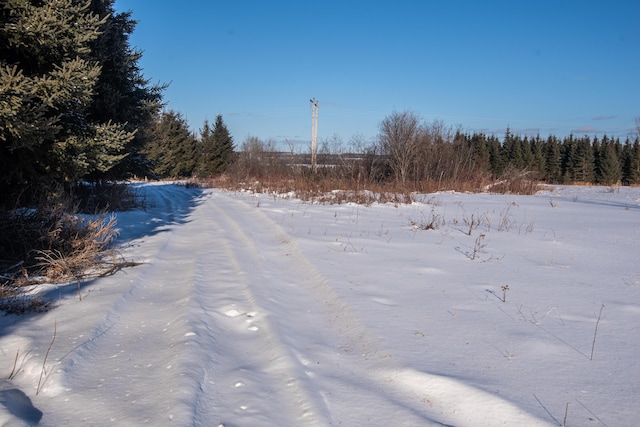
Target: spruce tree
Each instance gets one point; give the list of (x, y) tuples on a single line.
[(217, 147), (495, 156), (526, 153), (49, 76), (553, 160), (480, 151), (631, 167), (608, 167), (634, 171), (173, 150), (510, 149), (122, 94), (583, 161), (568, 147), (206, 144), (538, 158)]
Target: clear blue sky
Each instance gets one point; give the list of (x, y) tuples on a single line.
[(548, 67)]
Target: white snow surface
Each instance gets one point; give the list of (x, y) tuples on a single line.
[(263, 310)]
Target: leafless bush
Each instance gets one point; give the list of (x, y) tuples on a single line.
[(474, 222), (506, 220), (478, 246), (431, 222)]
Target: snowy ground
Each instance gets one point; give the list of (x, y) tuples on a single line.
[(258, 310)]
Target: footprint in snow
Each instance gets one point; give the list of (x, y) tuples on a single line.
[(232, 312)]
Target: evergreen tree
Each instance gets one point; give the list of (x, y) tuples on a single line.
[(172, 150), (122, 94), (583, 161), (608, 168), (480, 151), (634, 169), (567, 148), (206, 141), (495, 156), (222, 154), (51, 128), (631, 168), (510, 150), (634, 173), (553, 160), (538, 158), (526, 153), (217, 147), (578, 160)]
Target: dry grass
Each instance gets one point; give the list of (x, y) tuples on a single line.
[(514, 182), (87, 251), (52, 244), (333, 189), (325, 190)]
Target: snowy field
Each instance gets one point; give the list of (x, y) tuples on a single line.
[(261, 310)]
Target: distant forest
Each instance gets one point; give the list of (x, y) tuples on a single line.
[(558, 161)]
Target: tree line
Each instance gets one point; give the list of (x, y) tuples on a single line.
[(418, 151), (175, 151), (570, 160)]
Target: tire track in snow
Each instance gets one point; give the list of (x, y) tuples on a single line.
[(286, 292), (248, 355), (140, 339), (405, 396), (230, 303)]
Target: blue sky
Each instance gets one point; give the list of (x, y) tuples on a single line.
[(548, 67)]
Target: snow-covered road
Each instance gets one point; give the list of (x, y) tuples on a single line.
[(234, 319)]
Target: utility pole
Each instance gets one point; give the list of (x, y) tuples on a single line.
[(314, 133)]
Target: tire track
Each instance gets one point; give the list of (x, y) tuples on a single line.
[(286, 300), (114, 368), (245, 331), (298, 302), (249, 354)]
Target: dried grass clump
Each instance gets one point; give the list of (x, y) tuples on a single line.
[(52, 244), (78, 248), (515, 182)]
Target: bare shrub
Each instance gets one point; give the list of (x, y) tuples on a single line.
[(474, 222), (399, 140), (431, 222), (506, 220), (478, 246)]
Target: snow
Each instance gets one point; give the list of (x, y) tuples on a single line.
[(262, 310)]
